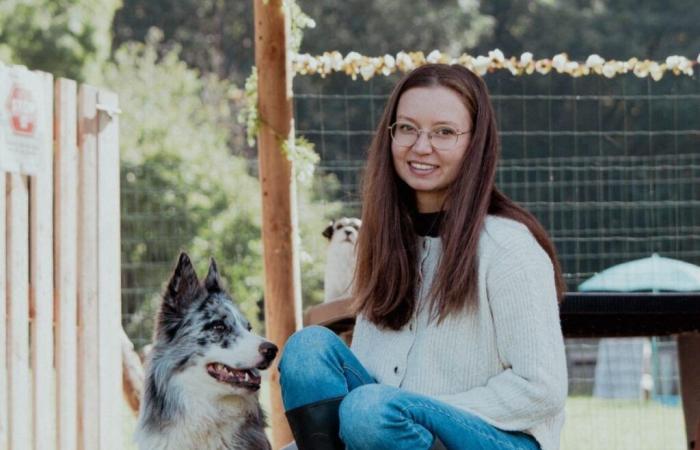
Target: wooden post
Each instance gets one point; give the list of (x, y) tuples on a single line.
[(282, 293), (41, 278), (88, 300), (17, 283), (108, 272), (4, 410), (65, 260)]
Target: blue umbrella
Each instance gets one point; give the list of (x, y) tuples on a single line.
[(652, 274)]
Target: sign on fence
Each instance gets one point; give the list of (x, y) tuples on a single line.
[(21, 129)]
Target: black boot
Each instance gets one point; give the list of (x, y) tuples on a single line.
[(316, 426)]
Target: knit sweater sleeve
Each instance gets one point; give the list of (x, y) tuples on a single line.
[(523, 303)]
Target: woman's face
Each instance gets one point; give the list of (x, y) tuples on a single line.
[(430, 168)]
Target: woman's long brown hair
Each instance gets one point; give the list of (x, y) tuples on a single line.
[(386, 270)]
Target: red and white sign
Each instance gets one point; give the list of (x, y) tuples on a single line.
[(23, 128), (23, 110)]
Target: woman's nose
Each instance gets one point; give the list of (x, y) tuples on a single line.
[(422, 144)]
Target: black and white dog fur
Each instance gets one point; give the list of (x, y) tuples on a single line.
[(202, 380), (340, 257)]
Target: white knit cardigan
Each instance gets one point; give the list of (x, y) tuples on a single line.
[(504, 362)]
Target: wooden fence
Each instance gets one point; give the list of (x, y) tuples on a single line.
[(60, 302)]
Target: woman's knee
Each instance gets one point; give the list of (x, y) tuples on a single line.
[(365, 412), (303, 346)]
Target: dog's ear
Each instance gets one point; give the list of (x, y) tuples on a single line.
[(213, 282), (183, 284), (182, 289), (328, 232)]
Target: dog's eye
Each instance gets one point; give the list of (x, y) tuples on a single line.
[(218, 326), (249, 328)]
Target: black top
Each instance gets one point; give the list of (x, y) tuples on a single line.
[(428, 224)]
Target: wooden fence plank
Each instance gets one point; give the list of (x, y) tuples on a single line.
[(19, 396), (109, 273), (88, 307), (4, 431), (41, 278), (65, 260)]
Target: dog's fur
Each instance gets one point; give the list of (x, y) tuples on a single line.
[(184, 407), (340, 257)]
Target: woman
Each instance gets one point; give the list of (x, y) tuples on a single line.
[(457, 341)]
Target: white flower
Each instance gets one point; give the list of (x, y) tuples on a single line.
[(594, 60), (656, 71), (434, 56), (673, 61), (610, 69), (497, 55), (571, 67), (312, 65), (352, 57), (641, 69), (389, 61), (389, 64), (367, 71), (481, 64), (404, 61), (559, 61), (526, 58)]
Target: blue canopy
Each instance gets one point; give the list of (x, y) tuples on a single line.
[(652, 274)]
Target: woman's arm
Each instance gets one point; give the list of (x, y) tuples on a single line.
[(523, 301)]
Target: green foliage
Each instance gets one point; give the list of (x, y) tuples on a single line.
[(183, 189), (215, 36), (176, 161), (68, 38)]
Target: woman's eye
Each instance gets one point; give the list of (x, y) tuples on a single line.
[(444, 132), (406, 128)]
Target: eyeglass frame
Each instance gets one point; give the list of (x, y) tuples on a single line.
[(430, 140)]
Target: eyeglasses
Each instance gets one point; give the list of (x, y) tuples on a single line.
[(442, 137)]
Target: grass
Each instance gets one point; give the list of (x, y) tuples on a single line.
[(591, 424)]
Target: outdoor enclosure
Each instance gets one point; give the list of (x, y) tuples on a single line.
[(60, 359)]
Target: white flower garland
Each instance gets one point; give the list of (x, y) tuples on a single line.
[(354, 64)]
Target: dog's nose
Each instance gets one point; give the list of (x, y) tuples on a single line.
[(348, 232), (268, 350)]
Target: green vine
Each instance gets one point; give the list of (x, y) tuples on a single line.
[(302, 154), (248, 116), (303, 157), (298, 21)]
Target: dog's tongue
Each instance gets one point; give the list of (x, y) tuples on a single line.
[(233, 376)]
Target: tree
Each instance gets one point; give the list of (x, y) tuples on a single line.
[(69, 38)]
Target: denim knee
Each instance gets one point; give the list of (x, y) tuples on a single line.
[(364, 414), (302, 347)]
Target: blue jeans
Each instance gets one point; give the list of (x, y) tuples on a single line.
[(316, 365)]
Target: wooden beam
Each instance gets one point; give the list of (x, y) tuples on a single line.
[(4, 424), (17, 245), (282, 288), (88, 301), (65, 260), (109, 273), (41, 277)]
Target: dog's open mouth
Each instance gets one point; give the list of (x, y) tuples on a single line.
[(245, 378)]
